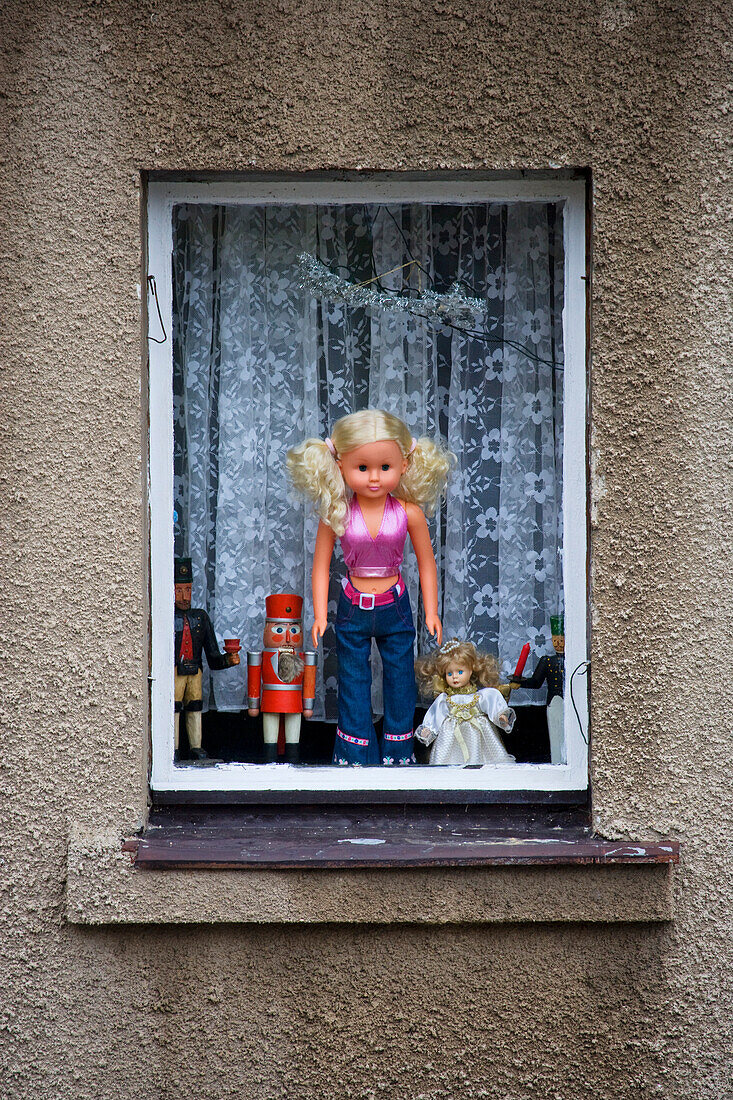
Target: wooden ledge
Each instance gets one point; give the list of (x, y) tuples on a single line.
[(387, 838)]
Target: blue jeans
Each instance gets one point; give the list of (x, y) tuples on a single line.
[(393, 629)]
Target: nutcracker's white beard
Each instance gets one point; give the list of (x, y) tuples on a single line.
[(289, 666)]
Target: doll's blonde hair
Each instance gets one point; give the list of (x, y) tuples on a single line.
[(431, 671), (314, 471)]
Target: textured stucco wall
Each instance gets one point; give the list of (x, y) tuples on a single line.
[(92, 93)]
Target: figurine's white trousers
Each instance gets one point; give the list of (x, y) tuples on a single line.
[(193, 728), (271, 727), (556, 730)]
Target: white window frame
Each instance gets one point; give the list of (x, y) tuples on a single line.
[(273, 780)]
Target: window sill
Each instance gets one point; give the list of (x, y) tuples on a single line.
[(367, 867)]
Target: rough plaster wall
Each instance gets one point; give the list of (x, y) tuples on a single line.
[(92, 93)]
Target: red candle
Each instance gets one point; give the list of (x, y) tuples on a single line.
[(522, 661)]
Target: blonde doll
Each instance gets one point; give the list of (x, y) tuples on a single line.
[(464, 724), (368, 481)]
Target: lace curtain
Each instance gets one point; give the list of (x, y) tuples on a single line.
[(260, 364)]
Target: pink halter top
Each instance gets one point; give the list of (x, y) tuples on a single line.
[(375, 557)]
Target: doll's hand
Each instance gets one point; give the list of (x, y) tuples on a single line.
[(233, 659), (319, 629), (435, 627), (307, 713), (253, 712)]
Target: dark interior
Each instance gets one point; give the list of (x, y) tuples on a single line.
[(230, 736)]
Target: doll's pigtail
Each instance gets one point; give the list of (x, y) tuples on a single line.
[(313, 471), (424, 482)]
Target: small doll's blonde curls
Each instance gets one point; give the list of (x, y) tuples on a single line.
[(431, 670), (314, 471)]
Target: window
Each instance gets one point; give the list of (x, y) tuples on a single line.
[(247, 357)]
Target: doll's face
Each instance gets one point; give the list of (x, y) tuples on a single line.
[(279, 635), (457, 676), (373, 470), (558, 644)]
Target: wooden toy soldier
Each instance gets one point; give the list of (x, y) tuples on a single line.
[(551, 670), (193, 633), (281, 679)]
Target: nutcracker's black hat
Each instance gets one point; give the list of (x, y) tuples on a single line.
[(182, 571)]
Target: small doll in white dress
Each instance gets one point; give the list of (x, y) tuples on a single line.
[(466, 720)]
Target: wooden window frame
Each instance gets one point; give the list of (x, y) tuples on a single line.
[(241, 782)]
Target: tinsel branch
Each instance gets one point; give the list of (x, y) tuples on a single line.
[(442, 309)]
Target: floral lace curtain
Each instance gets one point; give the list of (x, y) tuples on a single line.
[(259, 364)]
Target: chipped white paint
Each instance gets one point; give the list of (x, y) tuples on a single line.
[(361, 840)]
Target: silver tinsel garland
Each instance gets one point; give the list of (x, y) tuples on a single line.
[(443, 309)]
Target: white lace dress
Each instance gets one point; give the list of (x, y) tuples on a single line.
[(466, 727)]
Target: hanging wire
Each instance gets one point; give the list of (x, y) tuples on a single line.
[(409, 251), (153, 289), (501, 341), (401, 267), (582, 668), (372, 260), (471, 334), (476, 293)]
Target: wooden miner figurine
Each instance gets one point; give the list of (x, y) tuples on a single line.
[(551, 670), (281, 679), (193, 633)]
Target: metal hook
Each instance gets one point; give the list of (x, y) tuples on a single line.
[(153, 289), (582, 669)]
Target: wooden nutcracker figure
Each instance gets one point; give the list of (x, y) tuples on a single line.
[(194, 634), (281, 679)]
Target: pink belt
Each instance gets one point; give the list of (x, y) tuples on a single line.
[(367, 601)]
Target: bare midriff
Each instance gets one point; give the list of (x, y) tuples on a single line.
[(375, 585)]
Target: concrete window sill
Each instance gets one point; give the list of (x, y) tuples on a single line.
[(360, 869)]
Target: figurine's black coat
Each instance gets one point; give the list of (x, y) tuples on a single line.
[(202, 637), (551, 669)]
